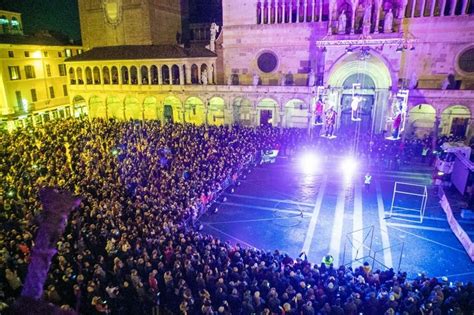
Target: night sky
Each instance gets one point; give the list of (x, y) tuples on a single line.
[(63, 16), (57, 15)]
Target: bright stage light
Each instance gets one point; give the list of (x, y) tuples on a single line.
[(309, 163), (349, 166)]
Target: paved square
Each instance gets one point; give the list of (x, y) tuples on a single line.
[(279, 207)]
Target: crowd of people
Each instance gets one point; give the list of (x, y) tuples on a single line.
[(132, 248)]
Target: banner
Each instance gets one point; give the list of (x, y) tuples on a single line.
[(455, 226)]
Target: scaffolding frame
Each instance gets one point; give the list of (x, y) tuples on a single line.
[(355, 246), (424, 199)]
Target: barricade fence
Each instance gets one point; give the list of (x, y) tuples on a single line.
[(462, 236), (206, 201)]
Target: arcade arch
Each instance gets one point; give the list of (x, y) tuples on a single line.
[(150, 108), (97, 108), (79, 106), (365, 67), (296, 114), (115, 108), (133, 109), (215, 114), (172, 109), (421, 120), (455, 120), (267, 112), (242, 110), (194, 111)]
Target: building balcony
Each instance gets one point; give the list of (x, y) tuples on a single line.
[(192, 88)]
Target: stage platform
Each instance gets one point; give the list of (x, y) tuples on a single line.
[(279, 207)]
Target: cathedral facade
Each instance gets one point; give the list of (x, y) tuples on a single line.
[(272, 60)]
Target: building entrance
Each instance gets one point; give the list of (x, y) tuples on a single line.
[(459, 126), (362, 116), (266, 117), (168, 113)]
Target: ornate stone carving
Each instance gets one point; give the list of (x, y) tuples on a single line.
[(112, 11)]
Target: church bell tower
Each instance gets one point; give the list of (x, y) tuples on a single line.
[(131, 22)]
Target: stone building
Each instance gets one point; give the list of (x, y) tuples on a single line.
[(33, 75), (273, 59), (131, 22)]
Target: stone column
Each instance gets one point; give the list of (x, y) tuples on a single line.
[(291, 12), (170, 74), (283, 12), (464, 7), (181, 75), (253, 117), (453, 8), (269, 6), (422, 9), (377, 16), (402, 12), (298, 11), (442, 7), (313, 11), (354, 4), (262, 11), (305, 13), (436, 130), (188, 74), (332, 4), (432, 7), (256, 12), (160, 77), (412, 13), (320, 17)]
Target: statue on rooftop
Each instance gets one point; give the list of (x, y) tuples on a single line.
[(342, 23), (388, 22)]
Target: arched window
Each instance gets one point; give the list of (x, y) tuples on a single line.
[(88, 75), (266, 8), (15, 24), (273, 11), (259, 12), (165, 74), (175, 74), (125, 76), (72, 76), (194, 74), (106, 75), (80, 80), (4, 24), (134, 75), (115, 75), (96, 75), (144, 75), (154, 74)]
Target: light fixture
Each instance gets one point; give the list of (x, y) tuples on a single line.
[(349, 49)]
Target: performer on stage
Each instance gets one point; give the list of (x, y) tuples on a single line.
[(399, 121), (318, 112), (355, 106), (331, 116)]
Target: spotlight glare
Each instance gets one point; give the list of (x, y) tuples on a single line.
[(309, 163), (349, 166)]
